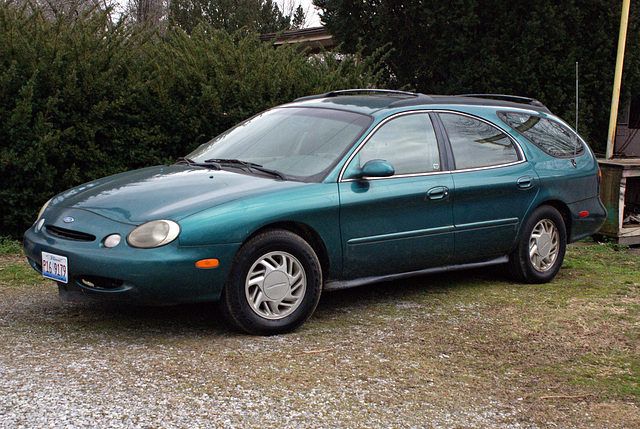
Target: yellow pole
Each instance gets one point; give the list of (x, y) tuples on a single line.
[(615, 98)]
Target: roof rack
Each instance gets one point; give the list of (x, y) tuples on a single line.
[(359, 91), (514, 98), (370, 91)]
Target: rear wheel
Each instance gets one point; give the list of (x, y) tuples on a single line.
[(541, 248), (274, 285)]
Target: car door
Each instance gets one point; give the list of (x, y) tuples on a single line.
[(400, 223), (494, 187)]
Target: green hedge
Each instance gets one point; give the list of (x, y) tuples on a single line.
[(83, 98)]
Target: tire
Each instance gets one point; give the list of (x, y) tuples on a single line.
[(541, 247), (274, 285)]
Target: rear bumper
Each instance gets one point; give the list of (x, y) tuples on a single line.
[(587, 217)]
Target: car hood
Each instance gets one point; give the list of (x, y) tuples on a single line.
[(164, 192)]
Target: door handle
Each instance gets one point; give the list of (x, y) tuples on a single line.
[(525, 182), (438, 193)]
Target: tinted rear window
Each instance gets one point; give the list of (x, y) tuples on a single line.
[(552, 137)]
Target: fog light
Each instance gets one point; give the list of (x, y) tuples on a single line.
[(112, 241)]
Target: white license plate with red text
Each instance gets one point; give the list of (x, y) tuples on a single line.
[(55, 267)]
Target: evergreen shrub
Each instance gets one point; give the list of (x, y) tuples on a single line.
[(83, 97)]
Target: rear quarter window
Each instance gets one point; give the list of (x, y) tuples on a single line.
[(551, 136)]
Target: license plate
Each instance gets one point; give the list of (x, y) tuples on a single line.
[(54, 267)]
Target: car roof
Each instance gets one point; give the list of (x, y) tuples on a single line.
[(369, 101)]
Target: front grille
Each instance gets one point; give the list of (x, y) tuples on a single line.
[(69, 234)]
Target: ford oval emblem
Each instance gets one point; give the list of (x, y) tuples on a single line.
[(68, 219)]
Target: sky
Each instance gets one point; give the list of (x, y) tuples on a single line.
[(313, 20)]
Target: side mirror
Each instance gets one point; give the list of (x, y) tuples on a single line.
[(377, 168)]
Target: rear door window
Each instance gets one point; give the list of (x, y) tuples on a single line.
[(477, 144)]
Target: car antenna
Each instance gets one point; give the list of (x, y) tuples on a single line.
[(575, 145)]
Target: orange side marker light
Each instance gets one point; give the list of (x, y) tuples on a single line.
[(207, 263)]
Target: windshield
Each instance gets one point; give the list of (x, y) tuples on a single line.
[(301, 143)]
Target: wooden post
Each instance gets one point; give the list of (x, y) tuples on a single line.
[(615, 98)]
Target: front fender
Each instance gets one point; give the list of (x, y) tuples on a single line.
[(315, 205)]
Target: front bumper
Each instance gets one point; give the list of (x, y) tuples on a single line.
[(163, 275)]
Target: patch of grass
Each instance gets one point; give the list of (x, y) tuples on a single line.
[(613, 371), (10, 247), (15, 272), (577, 335), (582, 329)]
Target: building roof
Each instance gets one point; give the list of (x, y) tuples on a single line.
[(314, 39)]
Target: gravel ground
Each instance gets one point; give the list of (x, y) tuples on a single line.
[(365, 360), (189, 376), (85, 365)]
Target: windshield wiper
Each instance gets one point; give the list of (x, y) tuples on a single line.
[(247, 165), (191, 162)]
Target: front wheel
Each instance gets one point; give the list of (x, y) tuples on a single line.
[(274, 285), (541, 248)]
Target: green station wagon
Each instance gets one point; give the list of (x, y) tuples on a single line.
[(328, 192)]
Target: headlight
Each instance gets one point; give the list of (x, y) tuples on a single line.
[(44, 207), (154, 234)]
